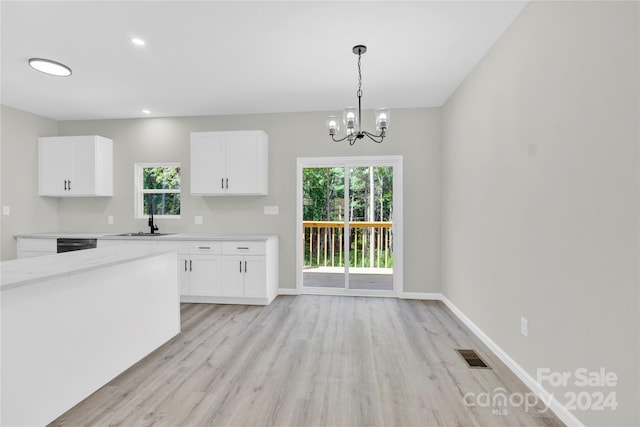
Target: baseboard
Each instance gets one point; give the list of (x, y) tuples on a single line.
[(561, 412), (288, 291), (422, 296)]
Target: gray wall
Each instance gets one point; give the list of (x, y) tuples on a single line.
[(415, 135), (19, 177), (540, 195)]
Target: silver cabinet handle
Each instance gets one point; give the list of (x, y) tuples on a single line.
[(69, 185), (242, 247), (65, 185), (222, 183), (241, 267), (227, 183), (185, 265), (204, 247), (245, 266), (190, 265)]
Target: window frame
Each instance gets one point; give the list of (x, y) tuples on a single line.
[(140, 191)]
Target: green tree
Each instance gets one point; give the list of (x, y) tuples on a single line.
[(162, 178)]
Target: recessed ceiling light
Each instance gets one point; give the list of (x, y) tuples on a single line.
[(146, 112), (50, 67), (137, 41)]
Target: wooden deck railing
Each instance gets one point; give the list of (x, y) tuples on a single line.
[(370, 244)]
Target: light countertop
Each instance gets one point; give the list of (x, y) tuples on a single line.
[(20, 272), (167, 237)]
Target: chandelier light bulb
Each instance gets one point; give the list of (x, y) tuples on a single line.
[(332, 125)]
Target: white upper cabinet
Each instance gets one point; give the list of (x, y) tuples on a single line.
[(75, 166), (229, 163)]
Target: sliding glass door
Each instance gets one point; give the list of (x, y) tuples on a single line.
[(346, 225), (370, 228), (323, 227)]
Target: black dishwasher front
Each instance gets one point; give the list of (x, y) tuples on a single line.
[(68, 244)]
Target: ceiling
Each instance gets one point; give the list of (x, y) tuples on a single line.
[(237, 57)]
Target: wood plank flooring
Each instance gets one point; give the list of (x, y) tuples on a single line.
[(311, 361), (371, 282)]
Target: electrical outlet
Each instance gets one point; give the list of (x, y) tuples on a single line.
[(6, 210), (198, 220), (110, 219), (524, 327)]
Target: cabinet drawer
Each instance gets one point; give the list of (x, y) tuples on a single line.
[(39, 245), (244, 248), (204, 247)]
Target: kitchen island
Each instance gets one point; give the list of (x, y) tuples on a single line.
[(71, 322)]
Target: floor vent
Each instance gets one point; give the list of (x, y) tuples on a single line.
[(472, 358)]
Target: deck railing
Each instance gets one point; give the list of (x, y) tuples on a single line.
[(370, 244)]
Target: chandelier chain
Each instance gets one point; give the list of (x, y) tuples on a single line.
[(359, 77)]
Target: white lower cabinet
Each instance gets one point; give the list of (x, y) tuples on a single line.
[(28, 247), (199, 267), (200, 275), (230, 272), (244, 276)]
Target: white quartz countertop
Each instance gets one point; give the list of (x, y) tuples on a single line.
[(20, 272), (169, 237)]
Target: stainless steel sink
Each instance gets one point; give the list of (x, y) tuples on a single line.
[(142, 234)]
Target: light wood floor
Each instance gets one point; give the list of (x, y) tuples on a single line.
[(306, 361), (374, 282)]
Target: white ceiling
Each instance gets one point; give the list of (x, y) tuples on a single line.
[(236, 57)]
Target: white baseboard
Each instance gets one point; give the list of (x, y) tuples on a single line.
[(422, 295), (288, 291), (563, 413)]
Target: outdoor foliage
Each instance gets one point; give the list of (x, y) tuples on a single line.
[(370, 200), (161, 187), (324, 194)]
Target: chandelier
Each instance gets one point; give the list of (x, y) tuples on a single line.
[(352, 117)]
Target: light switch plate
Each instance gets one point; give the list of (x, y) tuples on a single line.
[(110, 219), (198, 220), (6, 210), (271, 210)]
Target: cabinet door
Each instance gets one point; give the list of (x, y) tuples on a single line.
[(208, 171), (255, 277), (244, 157), (75, 166), (183, 269), (54, 166), (204, 275), (232, 276), (82, 175)]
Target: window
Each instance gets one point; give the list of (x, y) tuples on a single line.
[(158, 188)]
